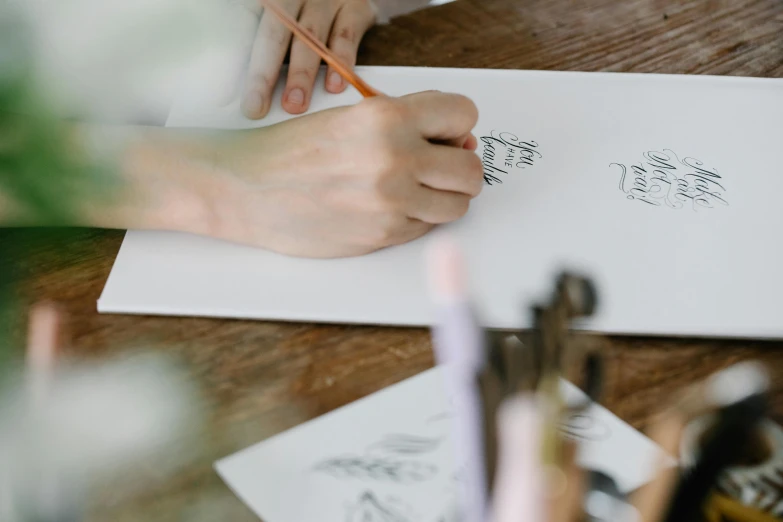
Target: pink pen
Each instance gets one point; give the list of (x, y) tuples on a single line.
[(459, 346), (518, 494)]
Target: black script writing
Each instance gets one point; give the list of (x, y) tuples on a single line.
[(662, 179), (504, 152), (369, 508)]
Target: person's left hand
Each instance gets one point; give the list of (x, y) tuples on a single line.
[(340, 24)]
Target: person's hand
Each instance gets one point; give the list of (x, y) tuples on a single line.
[(340, 24), (347, 181)]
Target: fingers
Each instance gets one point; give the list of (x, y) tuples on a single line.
[(453, 170), (435, 206), (303, 67), (471, 143), (269, 50), (442, 116), (353, 20)]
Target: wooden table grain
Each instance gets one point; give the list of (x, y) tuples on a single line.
[(260, 378)]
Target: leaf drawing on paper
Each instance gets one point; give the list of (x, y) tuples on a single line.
[(445, 415), (380, 469), (394, 464), (663, 179), (451, 514), (370, 509), (405, 444), (581, 426), (585, 427)]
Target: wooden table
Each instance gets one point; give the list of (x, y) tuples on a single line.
[(261, 378)]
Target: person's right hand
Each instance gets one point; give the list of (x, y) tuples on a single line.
[(346, 181)]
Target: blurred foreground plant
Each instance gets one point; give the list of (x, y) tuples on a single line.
[(42, 181), (66, 427), (99, 60), (98, 417)]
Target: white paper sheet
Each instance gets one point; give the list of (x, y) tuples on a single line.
[(696, 254), (391, 452)]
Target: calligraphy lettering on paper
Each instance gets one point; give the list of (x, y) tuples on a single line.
[(504, 152), (662, 179)]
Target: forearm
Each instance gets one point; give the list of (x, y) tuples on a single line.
[(114, 177), (159, 177)]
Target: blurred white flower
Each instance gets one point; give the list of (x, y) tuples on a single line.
[(96, 423), (115, 58)]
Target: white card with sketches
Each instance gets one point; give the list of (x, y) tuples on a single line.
[(389, 456), (665, 189)]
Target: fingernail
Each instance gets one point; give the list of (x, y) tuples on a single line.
[(335, 80), (296, 96), (254, 103)]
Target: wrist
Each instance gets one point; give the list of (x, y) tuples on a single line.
[(159, 179)]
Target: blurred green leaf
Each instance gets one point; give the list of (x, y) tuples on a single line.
[(38, 170)]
